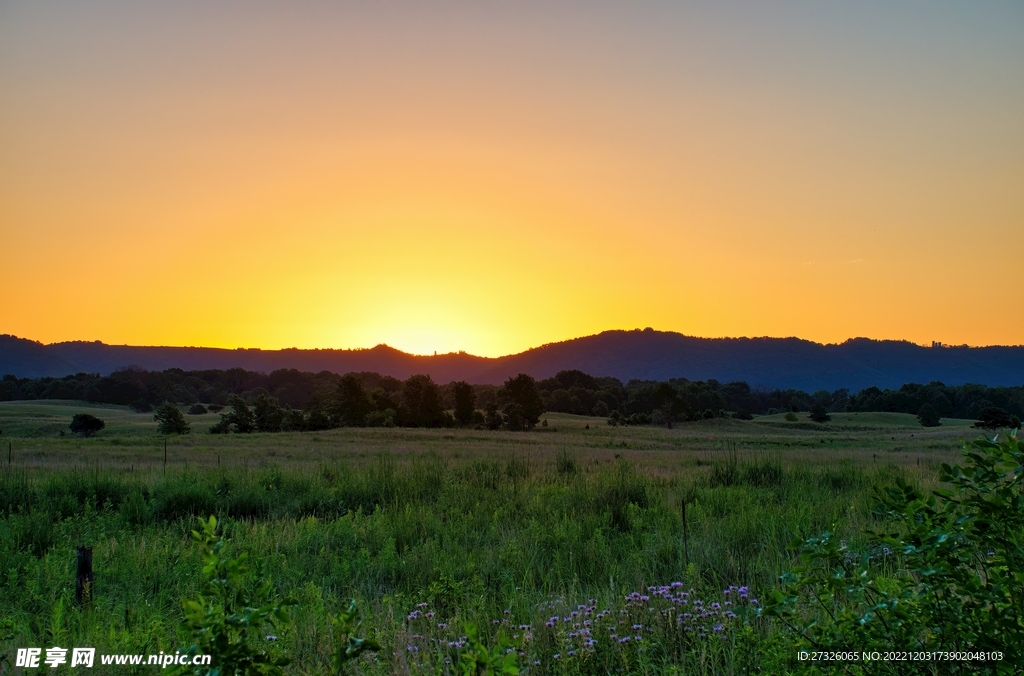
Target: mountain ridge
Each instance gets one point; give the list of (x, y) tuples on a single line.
[(625, 354)]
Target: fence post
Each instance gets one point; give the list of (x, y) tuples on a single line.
[(84, 577)]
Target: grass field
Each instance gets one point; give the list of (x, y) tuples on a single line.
[(504, 530)]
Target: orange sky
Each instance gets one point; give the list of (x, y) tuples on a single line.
[(491, 178)]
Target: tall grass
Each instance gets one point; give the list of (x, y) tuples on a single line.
[(481, 540)]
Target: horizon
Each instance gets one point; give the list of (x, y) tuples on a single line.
[(494, 178), (930, 345)]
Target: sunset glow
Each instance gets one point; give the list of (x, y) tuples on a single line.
[(490, 178)]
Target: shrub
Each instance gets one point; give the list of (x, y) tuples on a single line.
[(385, 418), (86, 425), (197, 409), (946, 576), (791, 417), (226, 618)]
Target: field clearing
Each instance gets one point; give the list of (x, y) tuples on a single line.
[(483, 526), (130, 441)]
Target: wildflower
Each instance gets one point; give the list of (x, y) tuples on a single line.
[(442, 625), (271, 637), (411, 648), (557, 656), (429, 615), (718, 627)]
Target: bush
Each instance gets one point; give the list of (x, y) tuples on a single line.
[(385, 418), (227, 617), (197, 409), (944, 576), (86, 425), (791, 417)]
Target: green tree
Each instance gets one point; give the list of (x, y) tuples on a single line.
[(993, 418), (521, 402), (351, 403), (85, 424), (240, 420), (928, 416), (421, 402), (170, 419), (267, 414), (465, 402)]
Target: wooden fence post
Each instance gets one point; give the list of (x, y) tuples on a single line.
[(84, 577)]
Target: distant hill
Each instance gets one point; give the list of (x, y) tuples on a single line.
[(647, 354)]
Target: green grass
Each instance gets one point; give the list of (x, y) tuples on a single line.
[(474, 523)]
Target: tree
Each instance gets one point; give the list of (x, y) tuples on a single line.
[(170, 419), (85, 424), (421, 402), (240, 419), (351, 403), (521, 402), (465, 402), (993, 418), (267, 413), (928, 416), (196, 409), (493, 419), (819, 413)]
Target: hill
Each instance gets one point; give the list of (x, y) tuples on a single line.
[(626, 355)]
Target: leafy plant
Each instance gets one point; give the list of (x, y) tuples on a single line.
[(476, 659), (950, 577), (224, 617), (347, 646)]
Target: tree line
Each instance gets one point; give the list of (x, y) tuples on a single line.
[(288, 399)]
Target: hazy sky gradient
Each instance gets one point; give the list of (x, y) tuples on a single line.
[(493, 176)]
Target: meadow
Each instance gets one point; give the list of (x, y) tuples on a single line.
[(565, 546)]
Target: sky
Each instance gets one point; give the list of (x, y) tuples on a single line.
[(490, 177)]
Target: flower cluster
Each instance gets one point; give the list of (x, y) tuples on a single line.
[(665, 620)]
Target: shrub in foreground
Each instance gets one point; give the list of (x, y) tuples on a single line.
[(948, 577)]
